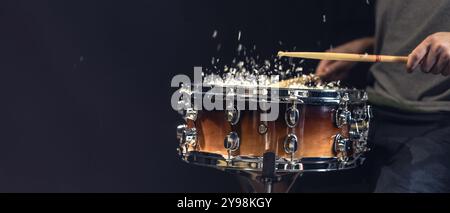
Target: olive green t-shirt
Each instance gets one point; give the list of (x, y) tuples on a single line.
[(400, 26)]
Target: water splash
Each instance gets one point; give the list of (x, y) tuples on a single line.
[(249, 69)]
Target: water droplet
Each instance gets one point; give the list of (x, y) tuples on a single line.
[(214, 35), (219, 46), (239, 48)]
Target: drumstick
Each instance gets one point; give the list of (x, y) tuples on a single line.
[(345, 57)]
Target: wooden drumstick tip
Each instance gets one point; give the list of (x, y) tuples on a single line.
[(281, 54)]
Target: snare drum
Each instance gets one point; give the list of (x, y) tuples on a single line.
[(317, 130)]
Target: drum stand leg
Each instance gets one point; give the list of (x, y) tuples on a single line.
[(268, 184), (269, 177), (251, 183)]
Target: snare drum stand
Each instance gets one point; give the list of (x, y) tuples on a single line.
[(267, 181), (268, 176)]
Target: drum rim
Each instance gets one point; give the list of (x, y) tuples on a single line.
[(332, 163), (286, 95), (209, 86)]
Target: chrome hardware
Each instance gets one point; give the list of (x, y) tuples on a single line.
[(255, 164), (191, 114), (187, 136), (182, 112), (342, 146), (355, 135), (180, 131), (183, 148), (363, 112), (185, 99), (284, 95), (233, 116), (360, 146), (231, 142), (346, 98), (262, 129), (359, 125), (292, 116), (297, 95), (359, 113), (291, 144), (358, 129), (341, 117), (365, 97), (369, 112)]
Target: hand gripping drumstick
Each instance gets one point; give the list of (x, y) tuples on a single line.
[(345, 57)]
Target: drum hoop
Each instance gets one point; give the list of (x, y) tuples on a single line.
[(254, 164), (285, 95)]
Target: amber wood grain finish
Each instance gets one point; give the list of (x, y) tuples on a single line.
[(282, 131), (213, 128), (319, 132), (314, 131), (252, 143)]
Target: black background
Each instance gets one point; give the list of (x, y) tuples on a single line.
[(85, 85)]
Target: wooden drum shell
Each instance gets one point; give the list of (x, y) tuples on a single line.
[(315, 132)]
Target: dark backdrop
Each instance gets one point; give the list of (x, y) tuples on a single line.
[(85, 85)]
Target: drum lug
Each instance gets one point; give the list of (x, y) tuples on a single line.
[(342, 115), (231, 142), (191, 114), (187, 136), (342, 146), (233, 116), (185, 100), (180, 131), (291, 144), (182, 149), (292, 116)]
